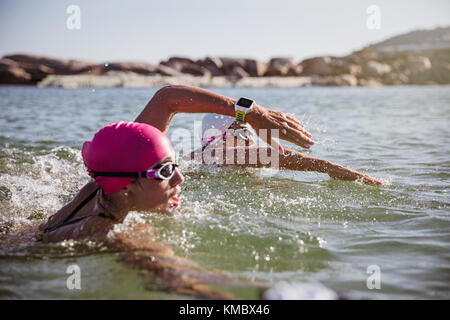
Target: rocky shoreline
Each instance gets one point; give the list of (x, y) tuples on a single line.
[(362, 68)]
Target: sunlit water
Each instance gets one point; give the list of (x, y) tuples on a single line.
[(254, 224)]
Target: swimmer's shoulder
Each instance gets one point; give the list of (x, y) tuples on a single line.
[(59, 215)]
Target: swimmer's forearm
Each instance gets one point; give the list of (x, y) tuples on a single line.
[(261, 157), (293, 160), (171, 100), (196, 100), (258, 157)]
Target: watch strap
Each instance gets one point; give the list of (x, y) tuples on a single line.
[(240, 115)]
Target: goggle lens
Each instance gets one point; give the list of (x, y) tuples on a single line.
[(167, 170)]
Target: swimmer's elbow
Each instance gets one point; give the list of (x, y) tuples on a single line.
[(163, 94), (171, 95), (171, 91), (166, 96)]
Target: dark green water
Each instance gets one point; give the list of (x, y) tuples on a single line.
[(254, 224)]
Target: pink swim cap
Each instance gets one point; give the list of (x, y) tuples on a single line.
[(124, 147)]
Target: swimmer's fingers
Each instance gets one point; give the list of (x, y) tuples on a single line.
[(296, 136), (343, 173), (289, 128), (290, 121), (367, 179)]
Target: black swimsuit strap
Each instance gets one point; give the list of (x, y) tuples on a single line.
[(81, 205)]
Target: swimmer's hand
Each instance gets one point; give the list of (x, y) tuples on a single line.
[(290, 129), (342, 173)]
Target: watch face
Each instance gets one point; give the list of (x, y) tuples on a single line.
[(244, 102)]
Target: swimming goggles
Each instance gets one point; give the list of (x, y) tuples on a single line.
[(164, 171), (242, 134)]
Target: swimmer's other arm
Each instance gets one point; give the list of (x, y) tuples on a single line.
[(293, 160), (171, 100)]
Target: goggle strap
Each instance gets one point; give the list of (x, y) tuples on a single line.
[(140, 174), (96, 174), (150, 174)]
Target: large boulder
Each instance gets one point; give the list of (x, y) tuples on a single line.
[(343, 66), (186, 65), (229, 65), (347, 80), (136, 67), (173, 61), (36, 72), (283, 67), (39, 67), (195, 70), (255, 68), (11, 73), (238, 73), (331, 66), (376, 69), (213, 64), (168, 71), (320, 66), (54, 66)]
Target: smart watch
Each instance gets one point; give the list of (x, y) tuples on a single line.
[(242, 107)]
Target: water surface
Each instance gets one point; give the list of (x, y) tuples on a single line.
[(254, 224)]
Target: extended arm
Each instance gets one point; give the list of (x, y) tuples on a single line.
[(174, 99), (291, 160)]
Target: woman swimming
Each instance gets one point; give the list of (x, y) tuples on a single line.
[(133, 168), (133, 163)]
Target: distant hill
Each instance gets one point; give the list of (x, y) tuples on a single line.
[(419, 40)]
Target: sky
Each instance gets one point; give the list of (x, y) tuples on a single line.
[(154, 30)]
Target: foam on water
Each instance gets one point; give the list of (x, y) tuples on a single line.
[(36, 184)]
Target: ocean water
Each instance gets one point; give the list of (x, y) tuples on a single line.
[(255, 224)]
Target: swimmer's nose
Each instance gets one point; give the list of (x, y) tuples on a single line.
[(177, 178)]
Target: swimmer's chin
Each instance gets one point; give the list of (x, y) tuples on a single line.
[(170, 207)]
